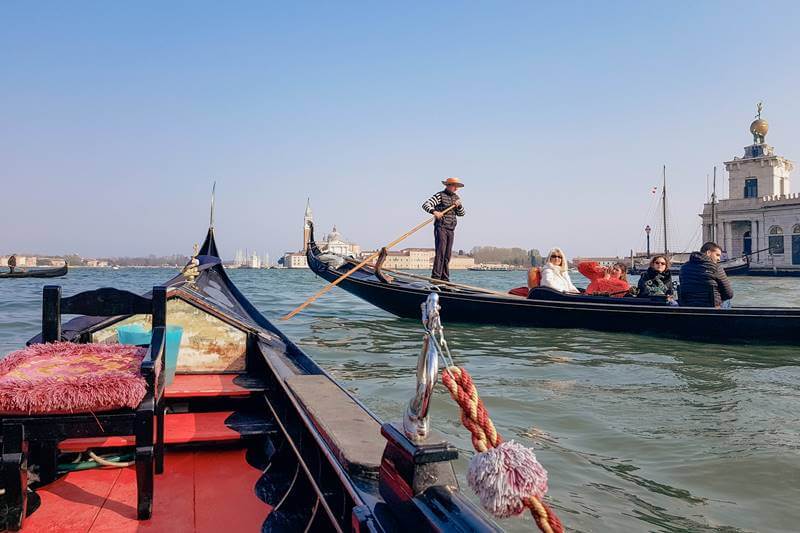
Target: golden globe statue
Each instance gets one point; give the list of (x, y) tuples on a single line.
[(759, 127)]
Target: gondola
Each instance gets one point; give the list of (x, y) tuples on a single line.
[(37, 273), (402, 295), (258, 436)]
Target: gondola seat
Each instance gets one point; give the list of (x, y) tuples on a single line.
[(59, 390), (66, 378), (544, 293)]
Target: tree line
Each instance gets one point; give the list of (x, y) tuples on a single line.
[(508, 256), (150, 260)]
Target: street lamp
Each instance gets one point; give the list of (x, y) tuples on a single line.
[(647, 231)]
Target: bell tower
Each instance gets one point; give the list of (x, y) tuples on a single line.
[(308, 219), (760, 172)]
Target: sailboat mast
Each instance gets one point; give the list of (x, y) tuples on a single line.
[(664, 208), (714, 207)]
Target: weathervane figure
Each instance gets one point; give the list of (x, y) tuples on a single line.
[(759, 107)]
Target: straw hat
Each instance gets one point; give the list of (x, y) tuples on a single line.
[(452, 181)]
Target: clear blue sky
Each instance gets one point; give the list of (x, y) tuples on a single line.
[(115, 118)]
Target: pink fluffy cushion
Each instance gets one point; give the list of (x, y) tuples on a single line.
[(64, 377)]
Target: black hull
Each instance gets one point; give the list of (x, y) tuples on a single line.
[(41, 273), (756, 325)]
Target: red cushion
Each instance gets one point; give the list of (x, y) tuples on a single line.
[(65, 377), (520, 291)]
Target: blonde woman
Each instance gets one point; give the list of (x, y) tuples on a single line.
[(555, 273)]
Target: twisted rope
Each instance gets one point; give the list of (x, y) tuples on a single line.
[(485, 437)]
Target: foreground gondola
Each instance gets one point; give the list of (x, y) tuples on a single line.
[(56, 272), (402, 294), (258, 437)]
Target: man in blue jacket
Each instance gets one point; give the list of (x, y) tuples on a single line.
[(703, 281)]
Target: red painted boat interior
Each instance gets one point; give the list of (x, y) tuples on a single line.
[(207, 484), (180, 428), (211, 385), (200, 491)]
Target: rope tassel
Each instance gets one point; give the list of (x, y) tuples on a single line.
[(506, 476)]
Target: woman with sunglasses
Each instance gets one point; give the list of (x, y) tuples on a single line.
[(657, 281), (555, 273)]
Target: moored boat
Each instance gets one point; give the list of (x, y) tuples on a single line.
[(56, 272), (403, 294), (258, 437)]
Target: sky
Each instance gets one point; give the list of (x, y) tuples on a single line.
[(116, 118)]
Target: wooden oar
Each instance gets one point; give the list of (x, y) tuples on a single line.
[(344, 276)]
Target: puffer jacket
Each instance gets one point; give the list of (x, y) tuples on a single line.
[(599, 283), (703, 283)]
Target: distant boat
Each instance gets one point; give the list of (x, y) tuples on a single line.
[(739, 266), (38, 273)]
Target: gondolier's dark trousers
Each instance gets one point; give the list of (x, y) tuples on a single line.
[(444, 248)]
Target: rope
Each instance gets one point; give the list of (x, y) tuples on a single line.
[(473, 413), (485, 437)]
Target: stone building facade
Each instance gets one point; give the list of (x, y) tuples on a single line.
[(420, 259), (761, 211)]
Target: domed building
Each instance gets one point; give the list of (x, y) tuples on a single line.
[(332, 242), (335, 243), (761, 216)]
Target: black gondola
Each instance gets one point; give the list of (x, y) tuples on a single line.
[(38, 273), (290, 449), (403, 295)]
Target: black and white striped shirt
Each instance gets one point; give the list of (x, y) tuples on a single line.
[(434, 203)]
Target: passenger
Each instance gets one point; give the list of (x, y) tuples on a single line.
[(703, 281), (608, 281), (12, 263), (657, 280), (555, 273)]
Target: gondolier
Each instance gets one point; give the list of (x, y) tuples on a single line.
[(445, 225)]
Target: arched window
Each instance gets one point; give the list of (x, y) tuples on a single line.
[(776, 240), (796, 228)]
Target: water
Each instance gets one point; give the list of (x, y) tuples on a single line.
[(637, 433)]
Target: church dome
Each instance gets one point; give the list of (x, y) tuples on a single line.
[(759, 127), (334, 236)]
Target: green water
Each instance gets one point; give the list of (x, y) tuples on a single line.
[(637, 433)]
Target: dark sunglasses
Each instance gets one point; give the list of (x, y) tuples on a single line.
[(556, 257)]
